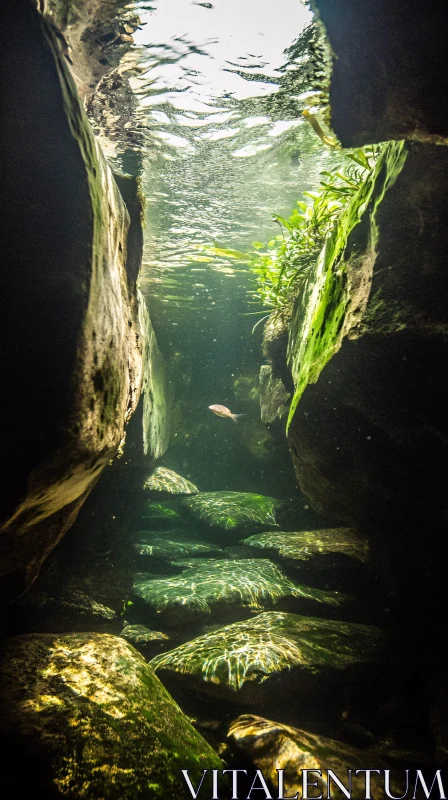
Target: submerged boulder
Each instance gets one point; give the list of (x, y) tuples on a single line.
[(310, 546), (271, 746), (229, 510), (100, 722), (173, 544), (224, 589), (273, 656), (144, 640), (166, 480)]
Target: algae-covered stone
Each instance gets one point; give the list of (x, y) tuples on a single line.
[(230, 510), (162, 515), (247, 661), (101, 721), (274, 398), (271, 746), (146, 641), (173, 544), (223, 588), (166, 480), (303, 546)]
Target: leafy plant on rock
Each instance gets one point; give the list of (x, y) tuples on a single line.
[(281, 267)]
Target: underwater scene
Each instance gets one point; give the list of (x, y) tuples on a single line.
[(223, 515)]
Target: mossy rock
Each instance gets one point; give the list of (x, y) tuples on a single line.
[(166, 480), (224, 589), (333, 300), (305, 546), (273, 657), (229, 510), (161, 516), (172, 545), (270, 746), (144, 640), (101, 721)]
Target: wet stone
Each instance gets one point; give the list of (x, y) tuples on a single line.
[(172, 545), (306, 546), (146, 641), (274, 657), (166, 480), (225, 589), (100, 720), (229, 510), (162, 515), (271, 746)]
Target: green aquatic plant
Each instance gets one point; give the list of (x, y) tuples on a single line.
[(282, 265)]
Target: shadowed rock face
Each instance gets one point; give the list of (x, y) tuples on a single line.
[(96, 718), (389, 69), (71, 321), (369, 432)]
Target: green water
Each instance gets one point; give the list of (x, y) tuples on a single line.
[(226, 147)]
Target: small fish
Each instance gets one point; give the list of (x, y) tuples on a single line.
[(222, 411)]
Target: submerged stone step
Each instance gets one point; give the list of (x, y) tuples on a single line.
[(166, 480), (172, 544), (318, 546), (229, 510), (225, 589), (275, 657)]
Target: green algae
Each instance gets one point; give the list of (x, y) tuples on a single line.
[(230, 510), (320, 316)]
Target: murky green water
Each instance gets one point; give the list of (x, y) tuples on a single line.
[(221, 97)]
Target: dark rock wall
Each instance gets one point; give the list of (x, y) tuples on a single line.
[(389, 69), (72, 326)]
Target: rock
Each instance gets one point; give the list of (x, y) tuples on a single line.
[(102, 723), (71, 289), (311, 546), (367, 427), (92, 38), (161, 515), (273, 657), (230, 510), (224, 589), (145, 641), (274, 398), (271, 746), (385, 87), (173, 544), (138, 634), (65, 608), (166, 480)]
